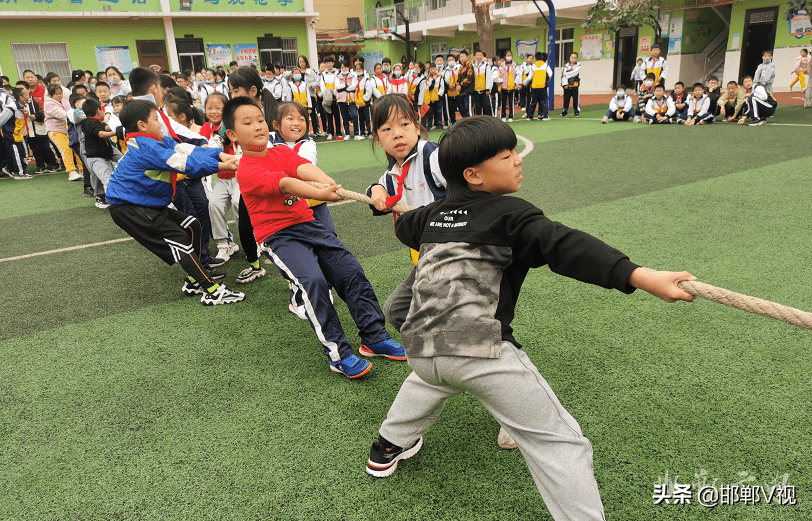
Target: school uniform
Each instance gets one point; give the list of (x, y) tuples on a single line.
[(678, 100), (362, 100), (38, 136), (496, 90), (415, 84), (378, 85), (450, 77), (274, 87), (638, 75), (431, 91), (664, 107), (759, 103), (203, 92), (483, 82), (297, 93), (12, 128), (346, 85), (658, 67), (714, 99), (311, 80), (327, 81), (646, 93), (570, 80), (699, 110), (537, 80), (508, 72), (398, 85), (623, 105), (222, 88), (524, 90)]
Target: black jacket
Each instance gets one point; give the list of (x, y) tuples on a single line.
[(475, 252)]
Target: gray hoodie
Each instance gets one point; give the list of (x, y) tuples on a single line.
[(765, 75)]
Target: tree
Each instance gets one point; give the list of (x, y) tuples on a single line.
[(798, 5), (617, 14), (484, 28)]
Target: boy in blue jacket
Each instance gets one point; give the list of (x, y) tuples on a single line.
[(141, 189)]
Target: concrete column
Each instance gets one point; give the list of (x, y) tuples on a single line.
[(310, 28), (169, 31)]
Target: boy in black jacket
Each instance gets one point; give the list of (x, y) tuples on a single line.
[(100, 154), (475, 251)]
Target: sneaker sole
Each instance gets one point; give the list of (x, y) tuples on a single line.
[(365, 351), (217, 265), (382, 472), (359, 375), (227, 300), (191, 293)]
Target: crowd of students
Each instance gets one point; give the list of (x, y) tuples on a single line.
[(702, 104)]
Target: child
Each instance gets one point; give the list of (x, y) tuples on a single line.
[(37, 133), (379, 83), (524, 91), (496, 89), (220, 84), (699, 112), (765, 72), (656, 65), (386, 67), (297, 89), (713, 91), (273, 83), (465, 85), (646, 93), (415, 80), (570, 80), (659, 109), (398, 84), (801, 70), (758, 103), (100, 155), (430, 91), (413, 178), (103, 93), (638, 75), (680, 102), (537, 81), (114, 122), (362, 97), (327, 82), (471, 349), (140, 191), (225, 195), (439, 64), (56, 122), (450, 76), (290, 125), (12, 128), (346, 85), (731, 102), (620, 108), (273, 184), (483, 82), (509, 72)]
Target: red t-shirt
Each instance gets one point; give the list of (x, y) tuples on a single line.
[(206, 131), (270, 209), (39, 96)]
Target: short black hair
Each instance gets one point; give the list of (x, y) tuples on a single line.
[(49, 77), (659, 86), (387, 60), (650, 76), (90, 107), (53, 88), (134, 111), (713, 78), (655, 46), (73, 98), (21, 83), (233, 63), (698, 86), (102, 84), (5, 79), (166, 81), (80, 86), (329, 58), (29, 70), (230, 109), (17, 92), (471, 142), (283, 109), (768, 51), (464, 52), (746, 77), (732, 82), (621, 86), (141, 79)]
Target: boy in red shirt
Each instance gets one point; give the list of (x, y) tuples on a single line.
[(274, 187)]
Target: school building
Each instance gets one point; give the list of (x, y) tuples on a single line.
[(699, 38), (62, 35)]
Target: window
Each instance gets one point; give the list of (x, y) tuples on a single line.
[(563, 45), (42, 58), (439, 49), (191, 54), (270, 50), (502, 46), (290, 52)]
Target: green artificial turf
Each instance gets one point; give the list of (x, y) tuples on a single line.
[(122, 399)]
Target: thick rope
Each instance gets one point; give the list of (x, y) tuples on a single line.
[(765, 308)]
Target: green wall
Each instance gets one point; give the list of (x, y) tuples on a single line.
[(82, 5), (81, 44), (698, 32), (220, 6), (782, 36)]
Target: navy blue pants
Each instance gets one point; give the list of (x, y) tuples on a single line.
[(482, 103), (537, 97), (313, 259), (464, 104), (190, 198), (349, 113), (16, 153)]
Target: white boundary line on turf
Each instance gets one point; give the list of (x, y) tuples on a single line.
[(528, 147)]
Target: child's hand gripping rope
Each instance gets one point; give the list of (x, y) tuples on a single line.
[(681, 281)]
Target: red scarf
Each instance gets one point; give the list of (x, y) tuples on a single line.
[(392, 200)]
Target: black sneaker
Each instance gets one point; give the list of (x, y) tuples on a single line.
[(756, 122), (52, 169), (101, 202), (216, 261), (15, 175), (383, 461), (40, 170), (191, 289), (214, 274), (221, 295), (89, 193)]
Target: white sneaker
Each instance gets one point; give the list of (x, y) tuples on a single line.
[(510, 120), (221, 295), (505, 441), (74, 176), (359, 138), (223, 253), (329, 137), (637, 119), (233, 248), (503, 119)]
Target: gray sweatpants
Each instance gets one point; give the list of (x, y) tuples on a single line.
[(224, 195), (102, 169), (513, 391), (396, 307)]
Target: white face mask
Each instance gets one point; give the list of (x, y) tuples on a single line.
[(649, 83), (508, 59), (450, 63), (621, 94), (386, 69), (396, 73)]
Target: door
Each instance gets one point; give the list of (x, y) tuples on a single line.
[(269, 50), (152, 54), (759, 36), (625, 55)]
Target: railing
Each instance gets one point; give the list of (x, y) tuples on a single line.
[(715, 58), (420, 11)]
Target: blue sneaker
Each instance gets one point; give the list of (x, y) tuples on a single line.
[(388, 348), (351, 366)]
